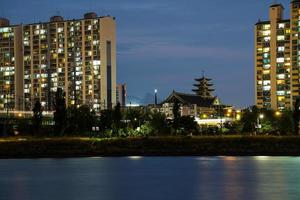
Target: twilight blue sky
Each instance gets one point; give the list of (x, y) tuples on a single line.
[(165, 44)]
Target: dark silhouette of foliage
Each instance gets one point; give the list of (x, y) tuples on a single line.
[(37, 116), (117, 117), (159, 124), (285, 123), (296, 116), (135, 117), (176, 116), (60, 112), (106, 120), (80, 120), (188, 125)]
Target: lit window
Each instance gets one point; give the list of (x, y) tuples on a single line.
[(265, 83), (267, 66), (280, 76), (266, 55), (281, 25), (266, 26), (280, 49), (96, 62), (266, 33), (59, 30), (281, 98), (60, 50), (280, 37), (280, 60), (267, 88)]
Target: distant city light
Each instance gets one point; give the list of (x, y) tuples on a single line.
[(261, 116)]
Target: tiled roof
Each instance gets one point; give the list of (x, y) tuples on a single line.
[(190, 99)]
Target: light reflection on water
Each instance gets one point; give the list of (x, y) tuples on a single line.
[(149, 178)]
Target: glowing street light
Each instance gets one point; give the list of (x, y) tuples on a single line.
[(261, 116), (155, 97), (277, 113)]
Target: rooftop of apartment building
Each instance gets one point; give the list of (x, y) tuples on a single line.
[(4, 22)]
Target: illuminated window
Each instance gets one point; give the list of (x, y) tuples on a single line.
[(280, 76), (60, 50), (266, 33), (5, 30), (59, 30), (42, 31), (265, 83), (280, 49), (266, 88), (280, 37), (281, 25), (266, 26), (280, 60), (96, 62), (266, 55), (281, 98)]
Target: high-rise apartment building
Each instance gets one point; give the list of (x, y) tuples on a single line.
[(78, 56), (121, 94), (277, 58)]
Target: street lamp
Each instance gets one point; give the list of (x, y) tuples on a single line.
[(277, 113), (261, 116), (155, 96)]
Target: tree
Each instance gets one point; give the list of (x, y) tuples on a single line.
[(117, 117), (176, 116), (249, 119), (106, 120), (158, 123), (60, 112), (296, 116), (285, 123), (37, 116), (188, 125), (80, 120), (134, 117)]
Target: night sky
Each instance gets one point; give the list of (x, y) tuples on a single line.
[(165, 44)]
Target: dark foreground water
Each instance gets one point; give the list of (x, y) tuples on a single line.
[(151, 178)]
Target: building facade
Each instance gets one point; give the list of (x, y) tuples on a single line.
[(121, 94), (277, 58), (78, 56), (191, 105)]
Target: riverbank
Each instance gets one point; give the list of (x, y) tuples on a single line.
[(154, 146)]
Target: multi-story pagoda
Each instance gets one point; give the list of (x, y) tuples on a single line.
[(203, 87)]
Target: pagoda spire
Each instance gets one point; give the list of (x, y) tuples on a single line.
[(203, 86)]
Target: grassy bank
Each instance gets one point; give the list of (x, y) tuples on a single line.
[(156, 146)]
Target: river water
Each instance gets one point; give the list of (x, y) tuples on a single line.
[(151, 178)]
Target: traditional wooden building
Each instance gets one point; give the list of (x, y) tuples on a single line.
[(191, 105)]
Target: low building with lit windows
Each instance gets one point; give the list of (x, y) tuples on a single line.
[(191, 105)]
